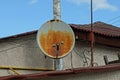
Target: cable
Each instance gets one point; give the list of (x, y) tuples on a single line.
[(71, 61), (116, 21), (118, 25), (113, 19), (84, 58)]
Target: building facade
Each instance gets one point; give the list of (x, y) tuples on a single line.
[(22, 51)]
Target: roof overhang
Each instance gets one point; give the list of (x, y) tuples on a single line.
[(74, 71)]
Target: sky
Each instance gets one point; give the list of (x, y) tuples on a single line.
[(19, 16)]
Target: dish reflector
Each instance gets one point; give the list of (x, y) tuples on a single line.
[(55, 38)]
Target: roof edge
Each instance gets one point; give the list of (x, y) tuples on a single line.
[(19, 35), (110, 67)]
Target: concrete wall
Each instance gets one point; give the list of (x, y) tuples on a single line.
[(82, 48), (24, 52)]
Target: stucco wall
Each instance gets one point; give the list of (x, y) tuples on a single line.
[(24, 52), (82, 48)]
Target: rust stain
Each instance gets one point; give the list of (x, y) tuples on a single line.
[(55, 37), (57, 20), (52, 20)]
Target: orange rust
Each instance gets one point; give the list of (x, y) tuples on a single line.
[(55, 37)]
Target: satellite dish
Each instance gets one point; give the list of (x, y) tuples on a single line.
[(55, 38)]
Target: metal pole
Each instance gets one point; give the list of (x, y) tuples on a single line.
[(58, 63), (56, 9), (92, 35)]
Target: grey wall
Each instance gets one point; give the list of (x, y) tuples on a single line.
[(84, 47), (24, 52)]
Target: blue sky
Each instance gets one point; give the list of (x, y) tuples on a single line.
[(19, 16)]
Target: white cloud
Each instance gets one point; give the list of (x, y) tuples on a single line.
[(33, 1), (97, 4), (78, 1)]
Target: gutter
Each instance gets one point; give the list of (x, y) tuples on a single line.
[(111, 67)]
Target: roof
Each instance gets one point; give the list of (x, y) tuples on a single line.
[(73, 71), (99, 28), (19, 35)]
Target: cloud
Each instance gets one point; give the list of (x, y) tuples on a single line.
[(33, 1), (97, 4)]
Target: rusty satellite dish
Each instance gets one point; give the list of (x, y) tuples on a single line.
[(55, 38)]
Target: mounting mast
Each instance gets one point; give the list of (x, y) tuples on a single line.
[(58, 63), (92, 35)]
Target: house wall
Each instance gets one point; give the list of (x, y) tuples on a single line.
[(82, 48), (24, 52)]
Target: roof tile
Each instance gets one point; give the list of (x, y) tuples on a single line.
[(100, 28)]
